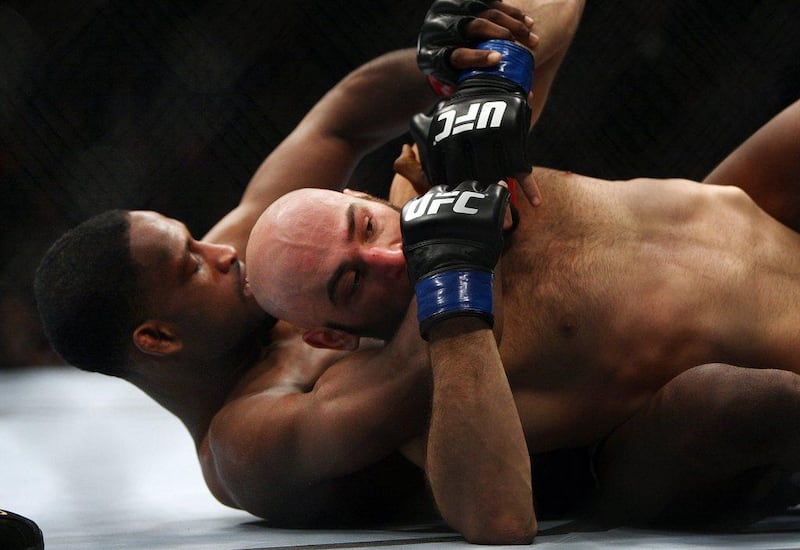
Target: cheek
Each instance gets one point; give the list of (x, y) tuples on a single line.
[(393, 236)]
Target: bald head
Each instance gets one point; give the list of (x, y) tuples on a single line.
[(320, 258), (285, 252)]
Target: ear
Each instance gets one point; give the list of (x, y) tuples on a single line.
[(329, 338), (157, 338)]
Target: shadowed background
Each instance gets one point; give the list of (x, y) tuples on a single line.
[(171, 106)]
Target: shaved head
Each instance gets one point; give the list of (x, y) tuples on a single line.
[(320, 258), (278, 243)]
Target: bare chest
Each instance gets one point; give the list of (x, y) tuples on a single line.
[(595, 326)]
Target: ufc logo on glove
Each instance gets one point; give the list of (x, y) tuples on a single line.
[(430, 203), (452, 240), (479, 116)]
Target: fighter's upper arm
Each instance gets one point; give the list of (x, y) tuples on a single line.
[(368, 107), (309, 157), (555, 21), (276, 451), (767, 166), (278, 456)]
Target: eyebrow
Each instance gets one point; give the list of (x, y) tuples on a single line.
[(351, 231)]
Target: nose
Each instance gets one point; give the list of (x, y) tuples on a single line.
[(222, 256), (387, 260)]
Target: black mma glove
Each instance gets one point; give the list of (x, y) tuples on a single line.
[(480, 133), (441, 33), (452, 240)]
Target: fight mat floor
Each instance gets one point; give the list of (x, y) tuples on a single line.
[(98, 465)]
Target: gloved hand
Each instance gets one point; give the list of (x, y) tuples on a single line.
[(480, 133), (452, 240), (441, 33)]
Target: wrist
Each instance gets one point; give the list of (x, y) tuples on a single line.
[(455, 293)]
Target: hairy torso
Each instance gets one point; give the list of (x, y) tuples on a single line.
[(613, 288)]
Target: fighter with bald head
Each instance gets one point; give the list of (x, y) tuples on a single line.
[(656, 319)]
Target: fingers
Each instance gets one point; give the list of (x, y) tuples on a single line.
[(408, 166), (496, 23), (530, 188), (501, 21), (463, 58)]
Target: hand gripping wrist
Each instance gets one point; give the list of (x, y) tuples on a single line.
[(452, 240), (441, 33)]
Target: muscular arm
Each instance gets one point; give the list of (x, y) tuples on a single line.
[(555, 22), (477, 459), (767, 166), (367, 108), (293, 454)]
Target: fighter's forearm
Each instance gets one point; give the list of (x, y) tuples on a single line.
[(555, 23), (477, 459)]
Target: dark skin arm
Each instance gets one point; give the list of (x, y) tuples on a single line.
[(767, 166), (332, 138), (368, 108), (290, 453)]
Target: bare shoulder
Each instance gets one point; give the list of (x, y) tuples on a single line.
[(250, 455), (251, 439), (302, 429)]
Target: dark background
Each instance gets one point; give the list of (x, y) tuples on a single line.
[(171, 106)]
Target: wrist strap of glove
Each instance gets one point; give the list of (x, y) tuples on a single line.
[(453, 294)]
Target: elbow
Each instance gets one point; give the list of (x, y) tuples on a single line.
[(501, 529)]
